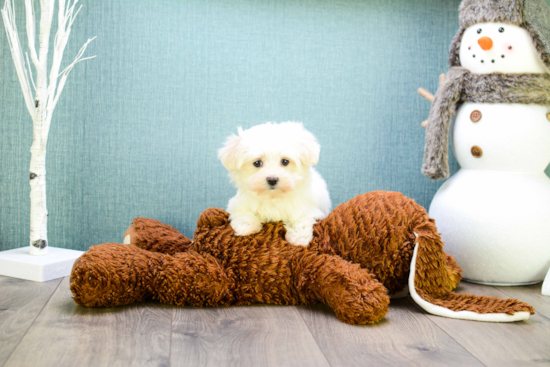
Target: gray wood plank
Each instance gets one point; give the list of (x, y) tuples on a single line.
[(530, 294), (20, 303), (404, 338), (258, 335), (525, 343), (65, 334)]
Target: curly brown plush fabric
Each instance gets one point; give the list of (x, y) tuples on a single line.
[(361, 252)]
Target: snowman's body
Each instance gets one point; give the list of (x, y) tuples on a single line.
[(494, 214)]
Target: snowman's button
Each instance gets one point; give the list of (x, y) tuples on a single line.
[(475, 116), (476, 151)]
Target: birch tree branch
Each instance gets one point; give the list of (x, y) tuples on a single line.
[(31, 30), (61, 11), (68, 69), (30, 71), (17, 54), (52, 100), (60, 42)]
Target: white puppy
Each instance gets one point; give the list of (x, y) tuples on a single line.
[(270, 165)]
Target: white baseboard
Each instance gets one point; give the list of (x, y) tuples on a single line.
[(18, 263)]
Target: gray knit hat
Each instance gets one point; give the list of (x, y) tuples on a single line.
[(533, 15)]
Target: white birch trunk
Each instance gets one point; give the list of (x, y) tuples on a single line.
[(39, 212), (42, 105)]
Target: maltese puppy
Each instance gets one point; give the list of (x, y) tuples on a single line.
[(271, 167)]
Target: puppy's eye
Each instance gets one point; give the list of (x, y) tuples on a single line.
[(258, 164), (501, 30), (285, 162), (479, 31)]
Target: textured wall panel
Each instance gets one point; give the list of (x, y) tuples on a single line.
[(136, 130)]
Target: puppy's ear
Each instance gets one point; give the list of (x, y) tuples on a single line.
[(308, 149), (232, 152)]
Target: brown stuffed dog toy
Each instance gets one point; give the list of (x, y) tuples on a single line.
[(360, 254)]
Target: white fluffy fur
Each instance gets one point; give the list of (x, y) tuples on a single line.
[(300, 196)]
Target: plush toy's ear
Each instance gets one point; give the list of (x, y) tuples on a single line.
[(232, 152)]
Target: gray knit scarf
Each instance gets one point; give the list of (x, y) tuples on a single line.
[(462, 86)]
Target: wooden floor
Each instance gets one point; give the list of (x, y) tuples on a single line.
[(40, 325)]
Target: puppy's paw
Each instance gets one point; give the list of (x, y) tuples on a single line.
[(245, 229), (246, 226), (299, 237)]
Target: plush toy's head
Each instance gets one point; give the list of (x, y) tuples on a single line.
[(270, 159), (508, 36)]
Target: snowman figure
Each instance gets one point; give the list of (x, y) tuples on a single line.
[(494, 213)]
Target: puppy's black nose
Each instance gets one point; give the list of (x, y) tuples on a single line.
[(272, 181)]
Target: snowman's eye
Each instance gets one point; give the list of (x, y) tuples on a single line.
[(501, 30), (479, 31)]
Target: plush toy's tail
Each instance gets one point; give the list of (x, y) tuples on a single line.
[(431, 284)]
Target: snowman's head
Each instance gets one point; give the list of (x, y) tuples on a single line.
[(499, 47), (506, 36)]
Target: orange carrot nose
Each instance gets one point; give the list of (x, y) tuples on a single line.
[(486, 43)]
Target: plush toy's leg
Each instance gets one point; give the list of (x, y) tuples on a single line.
[(431, 283), (113, 275), (353, 293), (377, 230), (152, 235)]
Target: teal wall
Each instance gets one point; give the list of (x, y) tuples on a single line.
[(136, 130)]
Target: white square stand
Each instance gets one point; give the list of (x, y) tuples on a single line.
[(18, 263)]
